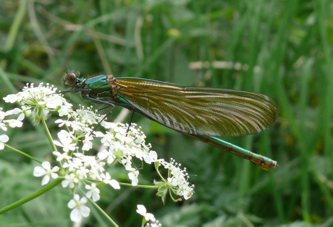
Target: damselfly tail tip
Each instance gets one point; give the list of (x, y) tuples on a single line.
[(268, 164), (264, 163)]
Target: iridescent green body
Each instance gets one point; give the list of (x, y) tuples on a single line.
[(98, 84), (204, 113)]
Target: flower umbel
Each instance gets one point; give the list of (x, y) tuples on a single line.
[(81, 169), (40, 101), (176, 183)]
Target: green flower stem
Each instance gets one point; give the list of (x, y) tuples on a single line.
[(22, 153), (158, 171), (103, 213), (143, 222), (20, 202), (173, 198), (49, 136), (140, 186)]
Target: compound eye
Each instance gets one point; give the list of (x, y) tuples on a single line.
[(70, 79)]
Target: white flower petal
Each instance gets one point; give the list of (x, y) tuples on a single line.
[(4, 138), (39, 171), (11, 98), (14, 123), (14, 111), (133, 176), (46, 165), (71, 204), (45, 179), (55, 169), (54, 175), (150, 217), (76, 215), (141, 209), (53, 102), (85, 211), (115, 184)]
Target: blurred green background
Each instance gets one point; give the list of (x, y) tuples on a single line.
[(279, 48)]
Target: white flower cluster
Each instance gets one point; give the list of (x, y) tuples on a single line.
[(178, 179), (12, 119), (122, 144), (39, 101), (81, 169), (149, 218), (80, 125)]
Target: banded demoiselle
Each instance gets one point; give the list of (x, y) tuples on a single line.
[(203, 113)]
